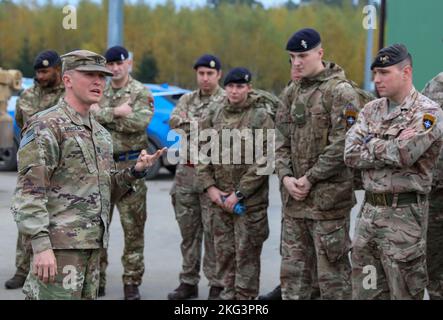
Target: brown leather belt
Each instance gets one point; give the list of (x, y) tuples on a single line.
[(387, 199)]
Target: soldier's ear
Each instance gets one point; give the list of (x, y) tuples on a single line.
[(407, 72), (67, 81), (321, 52)]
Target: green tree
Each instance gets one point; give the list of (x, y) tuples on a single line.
[(25, 60), (290, 5), (147, 69)]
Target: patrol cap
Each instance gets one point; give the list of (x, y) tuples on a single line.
[(238, 75), (116, 53), (208, 61), (390, 56), (303, 40), (46, 59), (84, 60)]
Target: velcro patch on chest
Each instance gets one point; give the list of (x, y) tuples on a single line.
[(428, 121)]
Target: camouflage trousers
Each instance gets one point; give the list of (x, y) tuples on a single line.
[(132, 209), (320, 245), (77, 277), (194, 220), (238, 245), (434, 252), (23, 254), (315, 291), (389, 252)]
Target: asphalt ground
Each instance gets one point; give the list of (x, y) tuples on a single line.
[(162, 243)]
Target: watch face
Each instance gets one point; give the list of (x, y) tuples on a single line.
[(239, 195)]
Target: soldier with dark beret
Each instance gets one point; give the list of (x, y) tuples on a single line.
[(396, 143), (317, 111), (238, 236), (238, 75), (125, 111), (47, 89), (390, 56), (116, 53), (45, 93), (208, 61), (189, 202)]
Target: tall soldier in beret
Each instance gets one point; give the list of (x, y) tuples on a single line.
[(434, 253), (313, 122), (238, 236), (125, 111), (190, 204), (65, 177), (396, 143), (286, 99), (45, 93)]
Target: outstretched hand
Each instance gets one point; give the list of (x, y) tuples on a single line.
[(146, 160)]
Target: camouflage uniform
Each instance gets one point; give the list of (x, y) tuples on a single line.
[(434, 254), (239, 238), (129, 138), (313, 123), (62, 199), (189, 202), (31, 101), (397, 175), (36, 99)]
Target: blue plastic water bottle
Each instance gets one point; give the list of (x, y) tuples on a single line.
[(239, 208)]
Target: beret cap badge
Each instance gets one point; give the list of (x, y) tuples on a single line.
[(384, 59)]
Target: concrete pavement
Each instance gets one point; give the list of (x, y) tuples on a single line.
[(162, 251)]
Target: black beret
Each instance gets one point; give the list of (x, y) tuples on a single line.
[(390, 56), (303, 40), (208, 61), (238, 75), (47, 59), (117, 53)]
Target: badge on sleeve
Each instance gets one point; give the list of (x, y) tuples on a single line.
[(428, 121), (351, 115), (29, 136)]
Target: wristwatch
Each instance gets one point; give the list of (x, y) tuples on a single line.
[(239, 195), (138, 174)]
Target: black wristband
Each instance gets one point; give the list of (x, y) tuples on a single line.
[(138, 174)]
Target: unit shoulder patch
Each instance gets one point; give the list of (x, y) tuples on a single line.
[(428, 121)]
